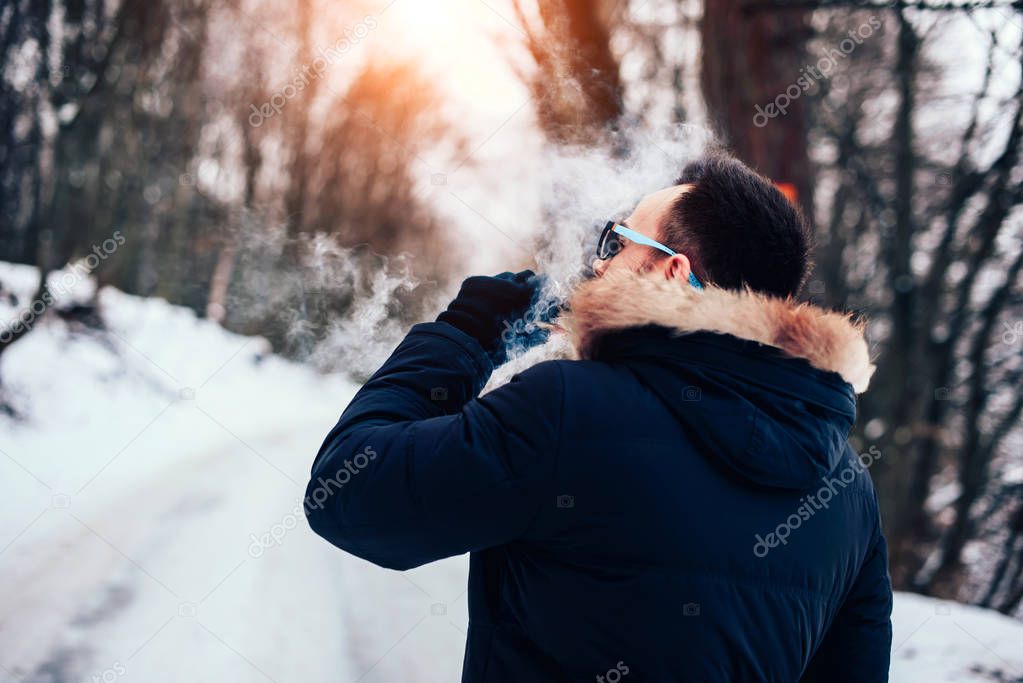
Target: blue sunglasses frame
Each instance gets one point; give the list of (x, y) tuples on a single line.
[(604, 251)]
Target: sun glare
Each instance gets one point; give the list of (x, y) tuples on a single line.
[(458, 42)]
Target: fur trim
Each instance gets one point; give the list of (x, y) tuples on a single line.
[(622, 299)]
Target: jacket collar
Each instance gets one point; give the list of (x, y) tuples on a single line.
[(621, 300)]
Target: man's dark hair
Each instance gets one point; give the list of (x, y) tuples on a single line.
[(737, 228)]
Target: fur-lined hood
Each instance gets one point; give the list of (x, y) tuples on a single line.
[(623, 299)]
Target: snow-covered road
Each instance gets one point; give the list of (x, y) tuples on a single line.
[(165, 583), (147, 465)]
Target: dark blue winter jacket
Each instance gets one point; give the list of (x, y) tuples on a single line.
[(681, 504)]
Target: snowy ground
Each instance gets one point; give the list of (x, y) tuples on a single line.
[(139, 493)]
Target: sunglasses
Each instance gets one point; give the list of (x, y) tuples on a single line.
[(610, 244)]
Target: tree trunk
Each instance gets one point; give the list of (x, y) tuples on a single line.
[(750, 60), (577, 89)]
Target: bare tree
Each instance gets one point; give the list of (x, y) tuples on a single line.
[(934, 224), (577, 87), (750, 60), (157, 141)]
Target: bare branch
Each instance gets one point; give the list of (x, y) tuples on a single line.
[(755, 7)]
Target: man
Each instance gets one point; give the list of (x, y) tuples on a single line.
[(679, 504)]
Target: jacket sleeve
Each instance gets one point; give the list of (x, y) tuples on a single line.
[(857, 647), (418, 468)]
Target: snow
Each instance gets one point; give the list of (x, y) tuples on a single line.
[(938, 641), (151, 529), (146, 462)]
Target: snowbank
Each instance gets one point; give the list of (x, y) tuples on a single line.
[(938, 641), (89, 395)]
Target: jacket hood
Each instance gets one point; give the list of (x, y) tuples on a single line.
[(775, 379)]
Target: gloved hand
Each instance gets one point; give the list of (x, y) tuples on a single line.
[(487, 306)]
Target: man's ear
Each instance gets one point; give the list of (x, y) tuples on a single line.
[(677, 267)]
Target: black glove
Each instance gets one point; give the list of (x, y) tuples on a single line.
[(486, 306)]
